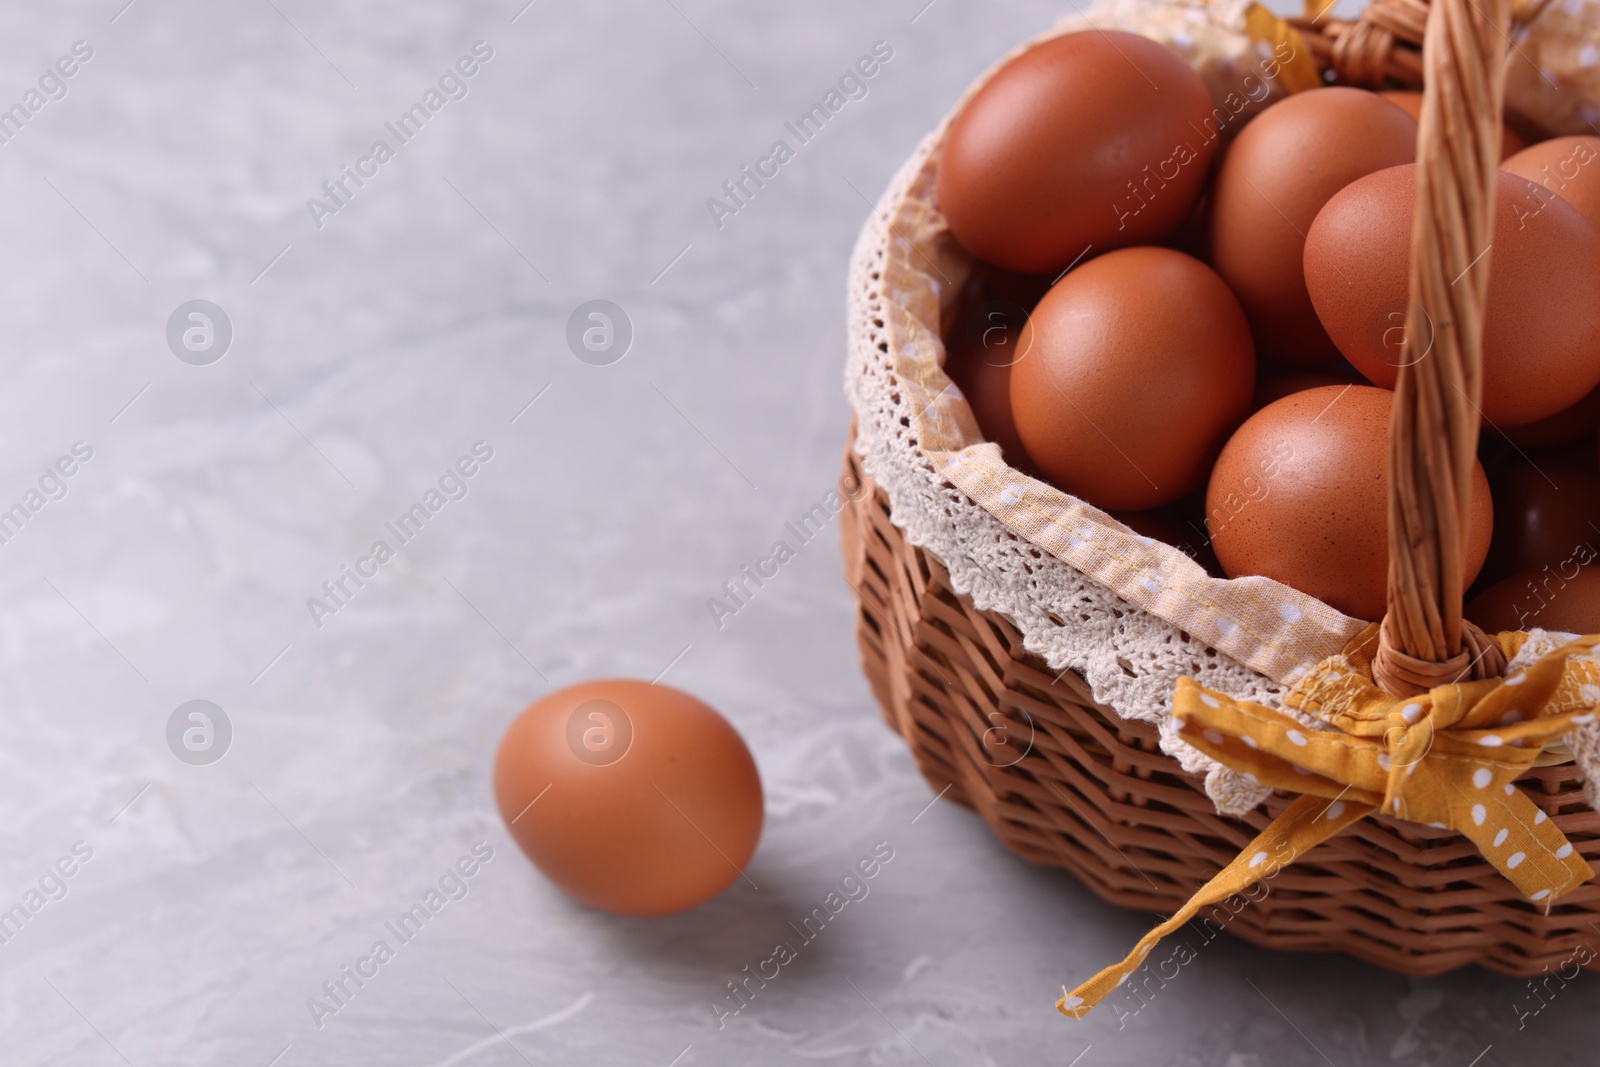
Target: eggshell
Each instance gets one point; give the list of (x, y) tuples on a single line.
[(1272, 181), (1579, 421), (1300, 494), (1566, 166), (1564, 601), (1410, 101), (1089, 141), (634, 798), (987, 387), (981, 344), (1541, 344), (1546, 513), (1138, 366)]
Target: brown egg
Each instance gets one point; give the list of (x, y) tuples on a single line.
[(1301, 494), (1089, 141), (1541, 344), (1138, 367), (634, 798), (1274, 178), (982, 343), (1410, 101), (987, 387), (1566, 601), (1569, 167), (1546, 512), (1579, 421), (1278, 384)]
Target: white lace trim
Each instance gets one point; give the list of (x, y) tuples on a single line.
[(1131, 659)]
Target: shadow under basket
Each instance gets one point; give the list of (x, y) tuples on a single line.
[(1065, 782)]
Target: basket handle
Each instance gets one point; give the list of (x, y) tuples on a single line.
[(1433, 434)]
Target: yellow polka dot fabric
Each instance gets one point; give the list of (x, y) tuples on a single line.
[(1267, 626), (1447, 758)]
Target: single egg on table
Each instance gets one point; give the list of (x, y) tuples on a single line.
[(634, 798)]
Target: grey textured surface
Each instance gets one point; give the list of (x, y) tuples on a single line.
[(419, 319)]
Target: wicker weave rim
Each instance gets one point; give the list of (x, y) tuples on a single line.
[(1096, 795)]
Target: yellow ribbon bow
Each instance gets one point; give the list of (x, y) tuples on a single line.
[(1447, 758)]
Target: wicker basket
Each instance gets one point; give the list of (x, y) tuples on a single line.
[(1095, 795)]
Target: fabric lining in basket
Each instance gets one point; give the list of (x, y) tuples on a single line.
[(1131, 615), (1026, 645)]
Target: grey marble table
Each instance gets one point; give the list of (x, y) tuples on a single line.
[(375, 330)]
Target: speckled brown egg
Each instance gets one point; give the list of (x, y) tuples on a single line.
[(1567, 601), (1541, 342), (1273, 179), (1410, 101), (1138, 366), (1300, 494), (1569, 167), (1083, 143)]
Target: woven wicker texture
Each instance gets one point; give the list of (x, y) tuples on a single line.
[(1094, 794), (1065, 781)]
